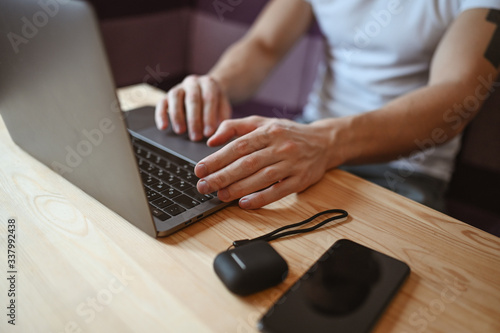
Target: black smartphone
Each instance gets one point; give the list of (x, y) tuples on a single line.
[(346, 290)]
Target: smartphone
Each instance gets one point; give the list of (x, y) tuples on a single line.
[(346, 290)]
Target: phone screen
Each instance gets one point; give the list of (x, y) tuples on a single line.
[(346, 290)]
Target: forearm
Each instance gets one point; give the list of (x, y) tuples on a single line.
[(242, 69), (426, 117), (434, 114), (246, 64)]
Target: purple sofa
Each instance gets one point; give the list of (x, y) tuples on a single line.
[(184, 37), (160, 42)]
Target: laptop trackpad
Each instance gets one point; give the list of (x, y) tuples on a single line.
[(141, 121), (140, 118)]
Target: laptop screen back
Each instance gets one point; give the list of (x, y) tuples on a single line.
[(58, 102)]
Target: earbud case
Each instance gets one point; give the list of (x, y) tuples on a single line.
[(250, 268)]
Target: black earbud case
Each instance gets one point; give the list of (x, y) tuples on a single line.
[(250, 268)]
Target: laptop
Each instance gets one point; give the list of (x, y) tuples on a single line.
[(58, 102)]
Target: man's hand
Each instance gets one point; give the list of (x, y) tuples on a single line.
[(270, 159), (200, 103), (197, 105)]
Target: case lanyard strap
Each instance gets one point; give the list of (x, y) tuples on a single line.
[(278, 232)]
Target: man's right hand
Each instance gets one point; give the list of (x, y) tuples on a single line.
[(198, 104)]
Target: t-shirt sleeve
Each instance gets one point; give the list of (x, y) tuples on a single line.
[(470, 4)]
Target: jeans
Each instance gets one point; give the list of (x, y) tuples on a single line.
[(419, 187)]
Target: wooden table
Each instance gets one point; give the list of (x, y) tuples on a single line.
[(82, 268)]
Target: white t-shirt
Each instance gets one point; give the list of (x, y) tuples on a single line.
[(378, 50)]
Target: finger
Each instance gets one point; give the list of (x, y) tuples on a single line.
[(230, 129), (210, 94), (261, 179), (161, 117), (254, 171), (271, 194), (225, 109), (193, 103), (234, 150), (176, 109)]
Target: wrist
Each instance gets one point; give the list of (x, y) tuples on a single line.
[(331, 131), (220, 81)]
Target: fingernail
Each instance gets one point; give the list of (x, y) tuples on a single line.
[(203, 187), (201, 170), (177, 128), (245, 203), (208, 130), (194, 136), (159, 124)]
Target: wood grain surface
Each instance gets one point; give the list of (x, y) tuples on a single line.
[(83, 268)]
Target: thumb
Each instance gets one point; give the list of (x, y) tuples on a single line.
[(229, 129)]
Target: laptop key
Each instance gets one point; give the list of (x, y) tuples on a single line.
[(171, 167), (193, 193), (152, 195), (150, 180), (174, 210), (186, 201), (169, 175), (141, 152), (141, 162), (186, 165), (150, 157), (162, 202), (182, 186), (161, 186), (159, 161), (181, 172), (160, 173), (171, 193), (150, 168), (191, 178), (159, 214), (170, 179)]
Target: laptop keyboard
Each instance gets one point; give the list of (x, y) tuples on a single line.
[(169, 181)]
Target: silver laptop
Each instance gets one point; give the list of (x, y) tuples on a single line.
[(58, 101)]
